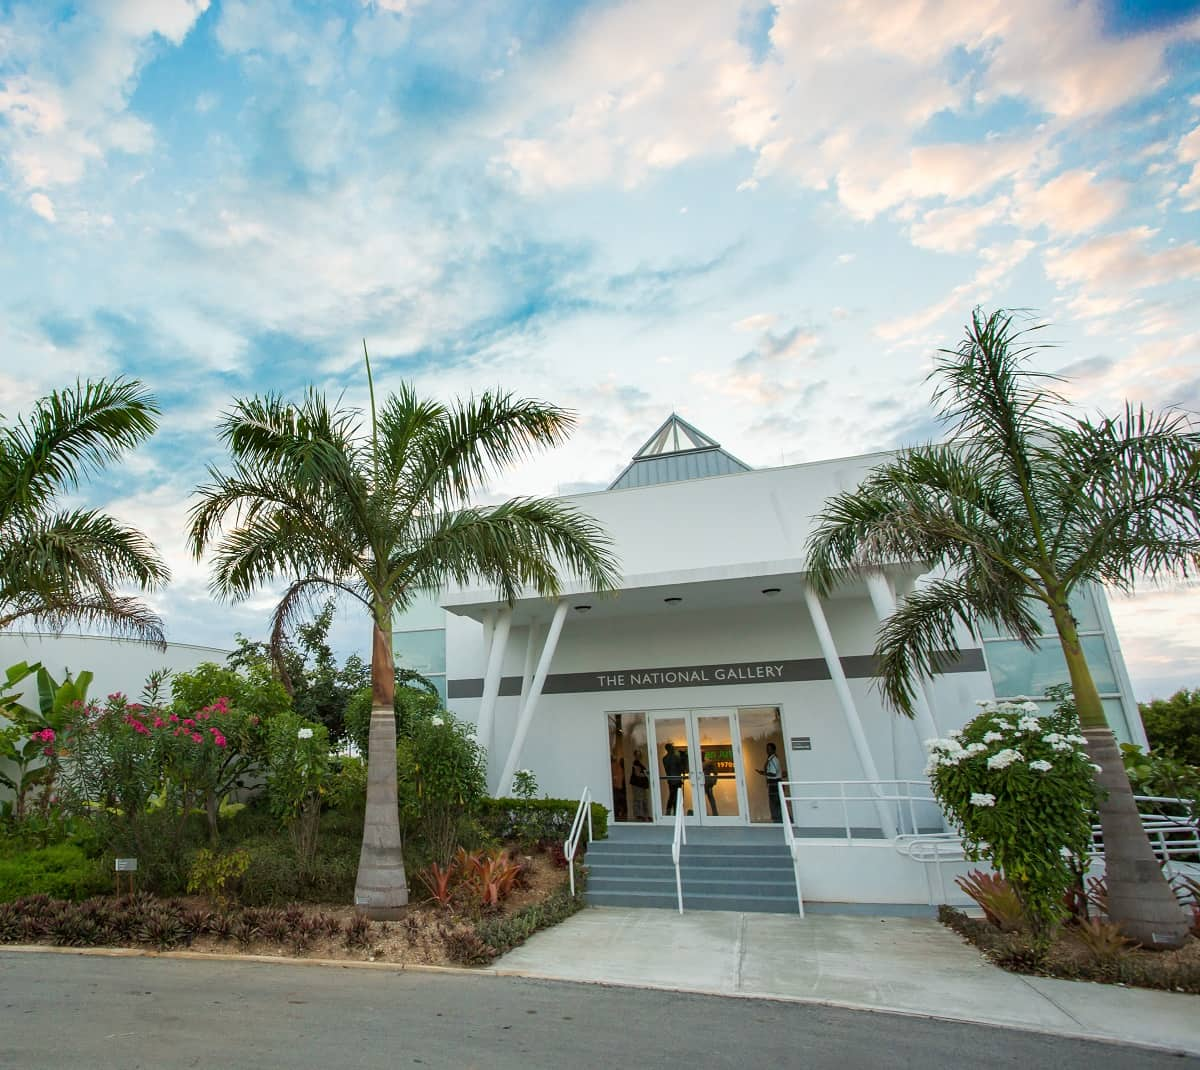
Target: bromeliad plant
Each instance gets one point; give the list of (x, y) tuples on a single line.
[(1020, 788)]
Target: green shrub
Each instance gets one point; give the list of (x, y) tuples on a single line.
[(63, 871), (530, 821), (478, 945), (216, 875), (348, 785), (1020, 788), (297, 771)]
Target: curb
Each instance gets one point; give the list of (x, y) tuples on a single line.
[(229, 956), (528, 975)]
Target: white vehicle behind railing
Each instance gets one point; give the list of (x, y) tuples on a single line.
[(679, 841), (583, 815)]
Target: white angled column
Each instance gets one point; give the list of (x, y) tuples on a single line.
[(531, 651), (492, 677), (884, 602), (529, 706), (846, 699)]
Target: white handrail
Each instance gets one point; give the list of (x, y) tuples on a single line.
[(679, 840), (572, 841), (789, 838)]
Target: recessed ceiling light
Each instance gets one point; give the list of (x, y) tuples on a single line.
[(674, 600), (770, 592), (582, 609)]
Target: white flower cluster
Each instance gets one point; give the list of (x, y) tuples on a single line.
[(1004, 758), (1041, 765), (983, 798), (304, 733), (437, 722)]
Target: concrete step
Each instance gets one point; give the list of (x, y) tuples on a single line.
[(649, 868), (694, 886), (780, 904), (733, 854)]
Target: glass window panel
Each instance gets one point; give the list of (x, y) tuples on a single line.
[(758, 727), (1017, 670), (719, 768), (631, 773), (423, 615), (1082, 605), (423, 651), (671, 765)]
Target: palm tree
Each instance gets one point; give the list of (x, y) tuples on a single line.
[(1021, 506), (383, 513), (59, 565)]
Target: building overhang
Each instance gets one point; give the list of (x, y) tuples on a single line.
[(722, 587)]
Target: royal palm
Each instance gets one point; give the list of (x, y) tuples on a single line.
[(380, 507), (58, 565), (1022, 506)]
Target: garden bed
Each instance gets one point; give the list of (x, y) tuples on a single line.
[(1073, 957), (426, 934)]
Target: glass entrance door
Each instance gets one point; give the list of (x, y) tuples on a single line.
[(697, 767)]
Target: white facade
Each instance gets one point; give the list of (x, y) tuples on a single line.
[(714, 620)]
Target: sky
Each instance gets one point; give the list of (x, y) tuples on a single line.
[(766, 217)]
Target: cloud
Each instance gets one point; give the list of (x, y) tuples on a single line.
[(956, 230), (1073, 202), (65, 99), (43, 206), (1189, 153), (1123, 261), (998, 262)]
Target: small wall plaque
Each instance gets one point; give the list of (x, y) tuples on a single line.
[(801, 742), (126, 865)]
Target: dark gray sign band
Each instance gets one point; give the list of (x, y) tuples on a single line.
[(782, 671)]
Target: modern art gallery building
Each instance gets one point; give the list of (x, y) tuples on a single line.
[(715, 647)]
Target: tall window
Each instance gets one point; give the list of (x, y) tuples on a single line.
[(1016, 670), (419, 641)]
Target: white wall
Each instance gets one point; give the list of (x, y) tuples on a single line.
[(117, 664)]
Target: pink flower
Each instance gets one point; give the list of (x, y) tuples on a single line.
[(174, 718), (49, 753), (116, 696), (159, 723), (218, 739), (46, 735), (197, 737)]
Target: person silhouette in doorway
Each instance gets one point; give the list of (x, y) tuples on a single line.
[(639, 782), (773, 771), (710, 782), (674, 765)]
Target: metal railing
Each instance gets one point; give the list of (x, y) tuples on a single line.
[(904, 795), (583, 815), (789, 837), (1174, 837), (680, 840)]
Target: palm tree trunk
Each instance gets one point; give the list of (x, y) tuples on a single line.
[(381, 890), (1140, 900)]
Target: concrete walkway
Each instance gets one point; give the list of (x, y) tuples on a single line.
[(904, 965)]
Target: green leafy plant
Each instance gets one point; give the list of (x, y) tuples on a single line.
[(536, 821), (1163, 775), (1020, 789), (1173, 725), (297, 772), (440, 768), (996, 898), (439, 880), (524, 784), (215, 875)]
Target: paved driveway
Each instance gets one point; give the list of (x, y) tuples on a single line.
[(910, 965)]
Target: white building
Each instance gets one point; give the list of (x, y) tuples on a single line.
[(714, 646)]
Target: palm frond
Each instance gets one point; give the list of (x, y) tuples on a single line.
[(1130, 492), (296, 603), (520, 545), (68, 436), (120, 616)]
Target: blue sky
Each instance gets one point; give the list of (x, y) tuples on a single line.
[(763, 216)]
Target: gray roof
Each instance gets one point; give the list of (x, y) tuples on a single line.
[(677, 451)]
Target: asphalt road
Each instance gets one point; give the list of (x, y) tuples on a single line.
[(95, 1013)]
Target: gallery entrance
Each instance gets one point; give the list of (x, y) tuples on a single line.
[(703, 762)]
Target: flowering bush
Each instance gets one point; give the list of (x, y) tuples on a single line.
[(1020, 789)]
